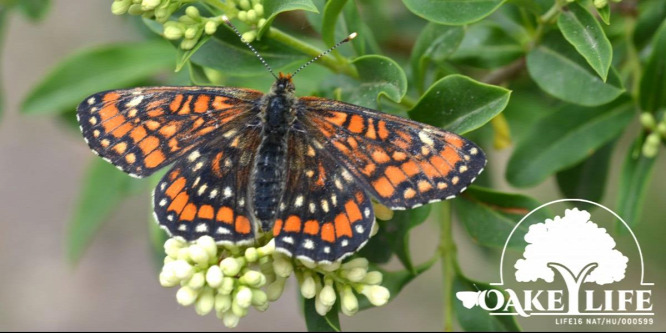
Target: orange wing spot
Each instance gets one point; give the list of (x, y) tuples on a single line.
[(328, 232), (370, 133), (105, 143), (138, 133), (225, 215), (383, 187), (179, 202), (341, 147), (112, 123), (243, 225), (450, 155), (130, 158), (380, 156), (441, 165), (292, 224), (175, 103), (352, 142), (337, 118), (454, 140), (121, 130), (277, 227), (405, 136), (149, 144), (395, 175), (353, 211), (168, 130), (120, 147), (356, 124), (429, 170), (320, 176), (382, 131), (369, 169), (205, 130), (206, 212), (409, 193), (155, 104), (424, 186), (235, 142), (342, 226), (152, 124), (216, 165), (218, 103), (112, 96), (201, 104), (185, 108), (402, 144), (359, 196), (410, 168), (399, 156), (154, 159), (197, 123), (189, 212), (108, 112), (174, 174), (311, 227), (173, 144), (175, 187), (155, 112)]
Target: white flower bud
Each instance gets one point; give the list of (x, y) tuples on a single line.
[(259, 298), (172, 245), (653, 139), (308, 289), (135, 9), (253, 279), (245, 4), (150, 4), (198, 254), (237, 309), (242, 15), (205, 302), (249, 36), (230, 320), (377, 295), (208, 244), (244, 297), (321, 308), (120, 7), (188, 44), (186, 296), (251, 254), (168, 260), (334, 266), (182, 269), (282, 266), (210, 27), (227, 286), (259, 9), (274, 290), (261, 23), (358, 262), (308, 263), (197, 280), (355, 274), (251, 15), (192, 12), (184, 254), (191, 32), (267, 249), (222, 303), (374, 277), (168, 279), (647, 120), (214, 276), (230, 266), (348, 301), (327, 295), (661, 128)]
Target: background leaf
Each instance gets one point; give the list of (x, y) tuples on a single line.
[(564, 138), (653, 80), (477, 319), (634, 181), (35, 10), (274, 7), (92, 70), (459, 104), (316, 323), (378, 76), (453, 12), (651, 15), (486, 45), (582, 30), (587, 179), (435, 44), (560, 71)]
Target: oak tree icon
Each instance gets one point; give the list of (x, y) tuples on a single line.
[(575, 247)]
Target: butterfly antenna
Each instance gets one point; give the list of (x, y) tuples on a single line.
[(350, 37), (228, 22)]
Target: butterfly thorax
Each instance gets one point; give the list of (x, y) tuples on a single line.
[(269, 172)]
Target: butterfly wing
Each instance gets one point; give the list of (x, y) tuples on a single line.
[(324, 214), (206, 191), (403, 163), (143, 129)]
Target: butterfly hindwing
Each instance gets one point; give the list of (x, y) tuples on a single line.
[(403, 163), (143, 129), (324, 215), (206, 191)]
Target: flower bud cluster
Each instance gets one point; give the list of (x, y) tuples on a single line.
[(657, 133)]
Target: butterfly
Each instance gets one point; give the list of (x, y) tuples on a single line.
[(246, 163)]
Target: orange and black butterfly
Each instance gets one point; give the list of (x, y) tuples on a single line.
[(305, 169)]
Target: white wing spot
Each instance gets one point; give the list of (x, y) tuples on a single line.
[(334, 200), (92, 120), (213, 194), (338, 184), (347, 176), (425, 138), (311, 152), (425, 150), (241, 202), (313, 207), (462, 168), (227, 192), (202, 189), (93, 109), (223, 231), (163, 186), (324, 205), (359, 229), (170, 217), (282, 206), (227, 162), (455, 180), (91, 100), (163, 202), (96, 133), (196, 181), (135, 101), (202, 227), (182, 227), (193, 156), (288, 240), (299, 201), (327, 249), (366, 212), (197, 166), (229, 133), (344, 243), (474, 151), (308, 244), (309, 173)]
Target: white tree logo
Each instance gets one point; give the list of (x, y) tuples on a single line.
[(575, 247)]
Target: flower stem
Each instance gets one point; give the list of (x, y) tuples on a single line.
[(447, 251), (333, 63)]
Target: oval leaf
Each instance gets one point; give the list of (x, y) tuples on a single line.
[(274, 7), (564, 138), (587, 179), (92, 70), (460, 104), (582, 30), (560, 71), (316, 323), (452, 12), (634, 181), (653, 80), (487, 46), (378, 76), (435, 43), (651, 14)]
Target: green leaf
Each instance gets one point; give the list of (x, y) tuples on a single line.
[(477, 319), (559, 70), (651, 15), (489, 216), (274, 7), (35, 10), (225, 52), (634, 182), (459, 104), (564, 138), (582, 30), (653, 81), (395, 281), (185, 55), (452, 12), (587, 179), (91, 70), (103, 188), (332, 11), (316, 323), (365, 42), (397, 231), (605, 13), (487, 45), (378, 76), (435, 44)]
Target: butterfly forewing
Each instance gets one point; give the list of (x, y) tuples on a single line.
[(141, 130), (403, 163)]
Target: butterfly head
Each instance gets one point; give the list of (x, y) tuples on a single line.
[(283, 84)]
